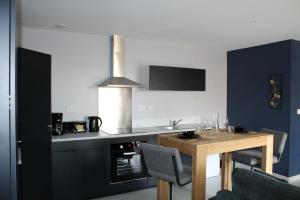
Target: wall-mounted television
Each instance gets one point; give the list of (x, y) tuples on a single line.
[(176, 78)]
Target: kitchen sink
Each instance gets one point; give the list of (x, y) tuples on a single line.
[(182, 127), (169, 127)]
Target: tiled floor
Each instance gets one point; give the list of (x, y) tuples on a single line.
[(179, 193)]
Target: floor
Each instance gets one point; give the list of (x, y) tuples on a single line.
[(179, 193), (212, 186)]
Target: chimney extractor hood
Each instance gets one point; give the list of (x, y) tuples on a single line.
[(117, 66)]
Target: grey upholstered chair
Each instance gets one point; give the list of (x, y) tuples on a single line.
[(165, 163), (253, 157)]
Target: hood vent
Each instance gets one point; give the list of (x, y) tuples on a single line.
[(117, 66)]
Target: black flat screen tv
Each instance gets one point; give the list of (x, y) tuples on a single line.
[(176, 78)]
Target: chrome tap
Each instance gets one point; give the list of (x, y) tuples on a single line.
[(175, 123)]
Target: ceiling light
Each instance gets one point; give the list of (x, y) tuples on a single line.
[(60, 26)]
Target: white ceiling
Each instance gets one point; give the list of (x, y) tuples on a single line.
[(227, 24)]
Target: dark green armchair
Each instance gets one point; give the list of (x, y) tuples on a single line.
[(254, 185)]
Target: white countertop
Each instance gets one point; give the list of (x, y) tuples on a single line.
[(138, 132)]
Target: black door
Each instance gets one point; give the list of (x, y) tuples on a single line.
[(7, 134), (34, 110)]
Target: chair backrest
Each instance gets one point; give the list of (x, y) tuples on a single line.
[(253, 185), (160, 161), (279, 141)]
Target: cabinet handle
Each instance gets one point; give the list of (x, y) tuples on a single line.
[(129, 153), (19, 152)]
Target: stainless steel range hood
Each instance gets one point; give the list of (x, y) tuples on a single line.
[(117, 66)]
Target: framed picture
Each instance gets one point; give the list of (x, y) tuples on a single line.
[(275, 91)]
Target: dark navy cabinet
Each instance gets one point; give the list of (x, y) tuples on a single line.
[(67, 174), (82, 169), (33, 124), (95, 170)]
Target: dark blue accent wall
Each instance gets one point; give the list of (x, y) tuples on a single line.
[(248, 89), (294, 161)]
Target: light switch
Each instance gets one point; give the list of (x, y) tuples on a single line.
[(298, 111)]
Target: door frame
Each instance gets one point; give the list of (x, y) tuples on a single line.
[(8, 181), (13, 99)]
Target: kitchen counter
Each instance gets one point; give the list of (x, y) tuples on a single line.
[(83, 162), (136, 132)]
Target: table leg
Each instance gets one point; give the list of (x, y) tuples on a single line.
[(162, 190), (267, 156), (199, 173), (226, 172)]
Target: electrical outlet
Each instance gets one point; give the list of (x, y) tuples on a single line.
[(141, 107), (72, 109), (298, 111)]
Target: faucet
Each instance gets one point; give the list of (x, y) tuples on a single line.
[(175, 123)]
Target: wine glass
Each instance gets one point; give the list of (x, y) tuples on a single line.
[(202, 125), (215, 122), (226, 124)]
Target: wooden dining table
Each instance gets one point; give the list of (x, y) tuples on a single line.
[(216, 143)]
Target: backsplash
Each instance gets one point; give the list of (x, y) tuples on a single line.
[(80, 62)]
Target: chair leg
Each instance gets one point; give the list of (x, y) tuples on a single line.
[(170, 193), (233, 164)]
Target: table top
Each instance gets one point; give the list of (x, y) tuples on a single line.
[(217, 142)]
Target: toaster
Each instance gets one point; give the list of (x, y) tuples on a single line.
[(74, 127)]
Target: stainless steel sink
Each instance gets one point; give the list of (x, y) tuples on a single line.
[(179, 127), (169, 127)]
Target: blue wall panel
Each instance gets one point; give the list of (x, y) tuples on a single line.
[(295, 104), (248, 89)]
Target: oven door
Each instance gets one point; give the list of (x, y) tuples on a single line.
[(126, 162)]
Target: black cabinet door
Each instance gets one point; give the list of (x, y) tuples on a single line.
[(67, 175), (96, 171), (34, 109), (80, 169)]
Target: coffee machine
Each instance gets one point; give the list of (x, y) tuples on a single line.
[(57, 123)]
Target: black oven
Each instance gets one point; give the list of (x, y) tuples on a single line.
[(126, 163)]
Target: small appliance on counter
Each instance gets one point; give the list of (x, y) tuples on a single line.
[(240, 129), (188, 135), (57, 123), (95, 123), (74, 127)]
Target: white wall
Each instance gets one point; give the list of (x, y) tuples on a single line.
[(81, 61)]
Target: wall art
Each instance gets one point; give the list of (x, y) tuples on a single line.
[(275, 93)]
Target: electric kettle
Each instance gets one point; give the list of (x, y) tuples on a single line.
[(95, 123)]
